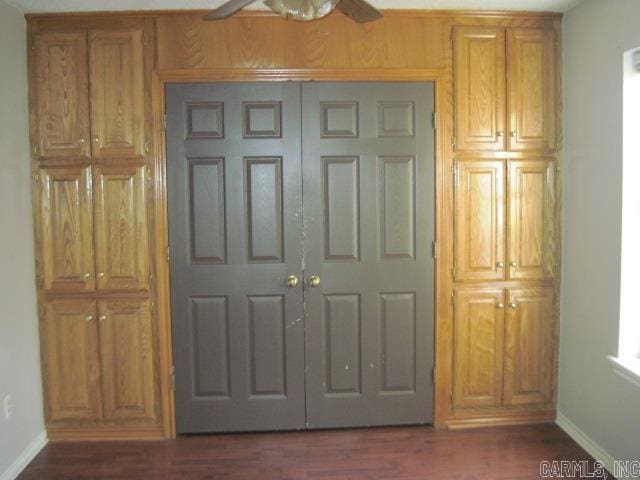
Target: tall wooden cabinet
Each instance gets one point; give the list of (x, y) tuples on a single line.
[(505, 216), (90, 111)]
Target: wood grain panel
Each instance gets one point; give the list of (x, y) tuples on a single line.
[(116, 66), (478, 348), (121, 227), (127, 354), (70, 361), (62, 83), (66, 229), (529, 346), (531, 61), (479, 88), (531, 237), (479, 220)]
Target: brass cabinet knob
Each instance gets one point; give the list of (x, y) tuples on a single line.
[(101, 275), (500, 306), (513, 305), (513, 264), (500, 265), (88, 318), (102, 318), (96, 139), (87, 275), (513, 134), (292, 281), (313, 281), (81, 140), (500, 133)]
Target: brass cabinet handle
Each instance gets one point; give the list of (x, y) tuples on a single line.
[(81, 140), (102, 318), (513, 133), (500, 133), (87, 275), (96, 139), (88, 318), (500, 265), (101, 275), (513, 264), (292, 281), (513, 305), (500, 306), (313, 281)]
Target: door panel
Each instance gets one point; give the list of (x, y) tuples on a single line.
[(235, 211), (478, 348), (531, 89), (368, 163), (529, 346), (70, 360), (122, 240), (116, 65), (66, 235), (479, 88), (126, 338), (531, 219), (479, 220), (63, 99)]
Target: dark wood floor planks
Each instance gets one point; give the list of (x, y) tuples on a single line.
[(398, 453)]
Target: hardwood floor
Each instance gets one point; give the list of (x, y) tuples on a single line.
[(399, 453)]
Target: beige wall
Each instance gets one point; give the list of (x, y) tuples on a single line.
[(600, 403), (19, 351)]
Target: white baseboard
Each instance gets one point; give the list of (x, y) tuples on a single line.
[(25, 457), (582, 439)]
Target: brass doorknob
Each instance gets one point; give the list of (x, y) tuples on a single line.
[(513, 134), (292, 281), (513, 264), (500, 265), (313, 281), (513, 305), (500, 306)]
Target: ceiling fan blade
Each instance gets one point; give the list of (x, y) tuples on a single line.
[(359, 10), (227, 9)]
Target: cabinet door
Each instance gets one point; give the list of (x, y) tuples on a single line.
[(121, 231), (70, 361), (478, 348), (479, 88), (529, 346), (479, 220), (62, 98), (66, 229), (117, 93), (531, 84), (127, 359), (531, 219)]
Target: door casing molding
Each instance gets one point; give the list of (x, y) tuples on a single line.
[(443, 205)]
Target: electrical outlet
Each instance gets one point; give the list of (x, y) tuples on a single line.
[(8, 407)]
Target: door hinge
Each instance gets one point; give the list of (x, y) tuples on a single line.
[(164, 122), (434, 252), (434, 119), (172, 378)]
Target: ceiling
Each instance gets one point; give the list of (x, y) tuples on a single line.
[(30, 6)]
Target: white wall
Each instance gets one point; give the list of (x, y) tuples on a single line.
[(600, 403), (19, 350)]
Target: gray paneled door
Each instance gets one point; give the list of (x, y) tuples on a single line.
[(355, 347)]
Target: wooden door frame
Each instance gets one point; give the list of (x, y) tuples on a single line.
[(441, 78)]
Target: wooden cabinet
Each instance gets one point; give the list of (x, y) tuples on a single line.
[(529, 346), (70, 357), (531, 237), (62, 109), (503, 351), (117, 93), (479, 238), (483, 235), (66, 229), (127, 359), (478, 347), (488, 96), (531, 63), (121, 233), (479, 88)]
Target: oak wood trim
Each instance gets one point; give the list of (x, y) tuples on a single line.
[(495, 420), (441, 79)]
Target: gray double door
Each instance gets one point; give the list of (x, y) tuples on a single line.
[(302, 280)]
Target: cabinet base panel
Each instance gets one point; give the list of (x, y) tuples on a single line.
[(57, 434), (501, 419)]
